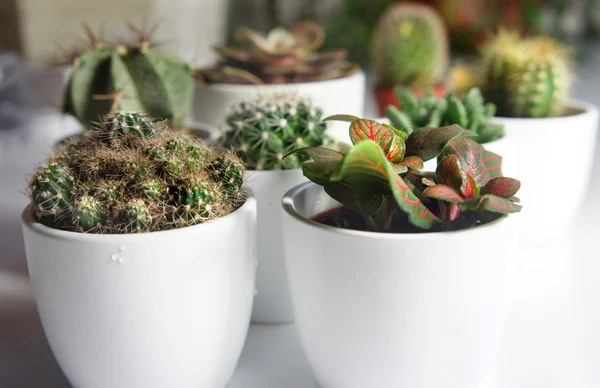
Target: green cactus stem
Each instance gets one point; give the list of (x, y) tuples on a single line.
[(89, 213), (52, 192)]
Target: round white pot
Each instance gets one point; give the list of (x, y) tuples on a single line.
[(551, 155), (342, 95), (272, 303), (395, 310), (150, 310)]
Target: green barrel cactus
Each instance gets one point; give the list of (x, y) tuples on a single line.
[(133, 77), (409, 46), (526, 77), (264, 130), (152, 179)]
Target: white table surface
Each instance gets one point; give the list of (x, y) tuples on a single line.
[(551, 339)]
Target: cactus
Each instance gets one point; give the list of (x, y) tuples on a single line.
[(263, 130), (526, 77), (132, 77), (281, 56), (147, 179), (409, 46), (471, 112)]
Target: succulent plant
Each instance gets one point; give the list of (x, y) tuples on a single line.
[(128, 77), (526, 76), (281, 56), (471, 113), (382, 173), (131, 174), (263, 130), (409, 46)]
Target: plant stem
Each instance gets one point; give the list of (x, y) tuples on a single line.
[(371, 224)]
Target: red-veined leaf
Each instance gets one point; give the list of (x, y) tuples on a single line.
[(396, 131), (502, 187), (412, 162), (396, 150), (469, 187), (399, 169), (470, 155), (325, 162), (490, 203), (427, 182), (363, 129), (448, 172), (493, 163), (346, 118), (444, 193), (428, 143), (367, 171)]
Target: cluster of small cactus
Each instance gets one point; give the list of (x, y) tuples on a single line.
[(131, 174), (262, 131), (381, 177), (409, 46), (128, 77), (281, 56), (526, 76), (471, 112)]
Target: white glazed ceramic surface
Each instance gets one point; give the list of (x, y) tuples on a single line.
[(343, 95), (539, 147), (272, 303), (396, 310), (152, 310)]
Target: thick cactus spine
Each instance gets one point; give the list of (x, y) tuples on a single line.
[(409, 46), (262, 131)]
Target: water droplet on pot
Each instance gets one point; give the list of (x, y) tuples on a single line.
[(120, 260), (115, 257), (255, 292), (122, 248)]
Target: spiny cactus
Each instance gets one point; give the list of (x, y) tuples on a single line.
[(133, 77), (131, 174), (471, 112), (263, 130), (281, 56), (409, 46), (526, 77)]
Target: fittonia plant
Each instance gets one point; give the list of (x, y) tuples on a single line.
[(130, 174), (128, 77), (471, 112), (382, 173)]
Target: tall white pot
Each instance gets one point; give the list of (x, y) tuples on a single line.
[(150, 310), (272, 303), (552, 157), (395, 310), (342, 95)]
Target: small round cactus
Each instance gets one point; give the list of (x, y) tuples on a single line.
[(264, 130), (409, 46), (526, 77), (147, 178)]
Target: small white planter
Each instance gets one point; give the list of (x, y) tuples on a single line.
[(552, 157), (150, 310), (395, 310), (342, 95), (272, 303)]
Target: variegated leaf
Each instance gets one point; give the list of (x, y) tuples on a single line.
[(502, 187), (444, 193), (363, 129), (490, 203), (493, 163), (428, 143), (470, 155)]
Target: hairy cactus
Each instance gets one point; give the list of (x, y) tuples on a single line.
[(409, 46), (281, 56), (264, 130), (144, 178), (133, 77), (526, 77), (471, 112)]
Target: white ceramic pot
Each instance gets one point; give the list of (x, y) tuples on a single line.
[(552, 157), (342, 95), (272, 303), (395, 310), (151, 310)]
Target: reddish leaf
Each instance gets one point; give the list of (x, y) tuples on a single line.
[(448, 172), (427, 143), (396, 151), (469, 154), (325, 162), (493, 163), (399, 169), (502, 187), (427, 182), (469, 187), (491, 203), (363, 129), (412, 162), (444, 193)]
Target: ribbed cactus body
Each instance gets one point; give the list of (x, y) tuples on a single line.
[(264, 130), (409, 46), (155, 179), (137, 78)]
